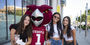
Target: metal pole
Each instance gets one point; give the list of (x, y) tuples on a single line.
[(61, 10), (33, 2), (80, 20), (40, 2), (54, 5), (22, 7), (61, 13), (62, 2), (77, 22), (48, 2), (6, 22), (14, 12), (86, 19)]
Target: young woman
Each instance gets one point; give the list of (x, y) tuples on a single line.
[(22, 31), (55, 30), (69, 32)]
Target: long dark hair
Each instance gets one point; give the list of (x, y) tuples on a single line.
[(69, 26), (28, 28), (59, 26)]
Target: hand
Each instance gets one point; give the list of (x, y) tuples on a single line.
[(17, 44), (48, 42), (27, 43)]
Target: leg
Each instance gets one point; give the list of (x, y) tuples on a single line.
[(59, 42), (52, 42)]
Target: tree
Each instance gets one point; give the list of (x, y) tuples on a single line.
[(82, 18), (89, 11)]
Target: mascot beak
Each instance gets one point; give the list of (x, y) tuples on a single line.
[(37, 17)]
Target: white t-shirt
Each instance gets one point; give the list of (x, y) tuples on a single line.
[(18, 40), (55, 34), (66, 37)]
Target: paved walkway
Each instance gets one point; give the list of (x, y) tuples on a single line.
[(82, 40), (80, 36)]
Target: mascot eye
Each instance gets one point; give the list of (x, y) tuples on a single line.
[(37, 18), (46, 11), (33, 17)]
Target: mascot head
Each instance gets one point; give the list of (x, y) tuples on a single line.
[(40, 15)]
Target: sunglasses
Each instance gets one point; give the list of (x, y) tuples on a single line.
[(37, 18), (56, 17)]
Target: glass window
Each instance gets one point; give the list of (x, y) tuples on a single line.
[(2, 21), (14, 14)]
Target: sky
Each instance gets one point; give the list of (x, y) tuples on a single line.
[(73, 8), (9, 3)]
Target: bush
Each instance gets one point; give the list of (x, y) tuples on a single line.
[(88, 27), (82, 26), (18, 12), (79, 26)]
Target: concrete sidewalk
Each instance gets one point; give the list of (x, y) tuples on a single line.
[(81, 39)]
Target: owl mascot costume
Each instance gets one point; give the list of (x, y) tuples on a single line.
[(40, 15)]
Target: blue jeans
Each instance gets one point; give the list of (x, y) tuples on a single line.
[(56, 42)]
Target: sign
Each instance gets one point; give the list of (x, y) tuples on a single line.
[(58, 8)]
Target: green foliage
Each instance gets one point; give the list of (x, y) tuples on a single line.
[(88, 18), (10, 12), (18, 12), (88, 27), (82, 18), (84, 27), (89, 11)]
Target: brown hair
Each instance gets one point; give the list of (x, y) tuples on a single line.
[(28, 28)]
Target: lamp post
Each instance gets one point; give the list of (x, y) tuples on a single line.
[(86, 19), (77, 22), (80, 20), (6, 21), (14, 12), (22, 7), (63, 2)]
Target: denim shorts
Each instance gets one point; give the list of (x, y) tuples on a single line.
[(70, 43), (56, 42)]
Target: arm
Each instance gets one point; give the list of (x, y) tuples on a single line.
[(62, 41), (62, 32), (12, 36), (47, 30), (47, 39), (46, 35), (74, 36), (29, 41)]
